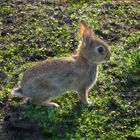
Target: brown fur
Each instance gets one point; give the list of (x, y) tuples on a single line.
[(51, 78)]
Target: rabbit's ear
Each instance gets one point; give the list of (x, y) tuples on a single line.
[(82, 27), (86, 33), (85, 30), (87, 36)]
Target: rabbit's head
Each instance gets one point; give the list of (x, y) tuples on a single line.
[(93, 48)]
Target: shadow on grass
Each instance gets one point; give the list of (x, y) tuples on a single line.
[(14, 127), (17, 127)]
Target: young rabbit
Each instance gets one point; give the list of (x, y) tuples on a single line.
[(49, 79)]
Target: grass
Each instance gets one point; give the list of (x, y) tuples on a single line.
[(36, 30)]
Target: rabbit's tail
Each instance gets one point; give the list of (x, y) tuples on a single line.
[(17, 92)]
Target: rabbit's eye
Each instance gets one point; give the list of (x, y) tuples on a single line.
[(100, 49)]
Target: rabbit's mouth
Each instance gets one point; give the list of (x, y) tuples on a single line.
[(107, 57)]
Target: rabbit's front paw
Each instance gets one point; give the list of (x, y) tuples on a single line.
[(89, 103)]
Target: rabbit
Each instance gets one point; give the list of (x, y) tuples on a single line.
[(51, 78)]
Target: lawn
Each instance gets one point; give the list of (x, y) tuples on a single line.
[(32, 30)]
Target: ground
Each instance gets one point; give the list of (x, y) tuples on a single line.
[(31, 31)]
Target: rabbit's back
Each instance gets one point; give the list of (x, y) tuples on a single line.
[(49, 76), (54, 77)]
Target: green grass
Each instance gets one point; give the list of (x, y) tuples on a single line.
[(31, 32)]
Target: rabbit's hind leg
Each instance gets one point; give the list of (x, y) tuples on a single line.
[(47, 103), (50, 104)]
